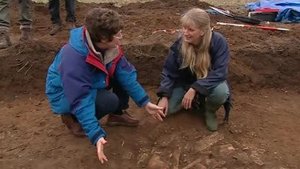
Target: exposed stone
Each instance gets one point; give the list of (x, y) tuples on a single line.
[(142, 158), (209, 162), (234, 129), (199, 166), (165, 141), (243, 158), (256, 158), (175, 158), (156, 163), (226, 150), (208, 141), (212, 163), (128, 155), (196, 162)]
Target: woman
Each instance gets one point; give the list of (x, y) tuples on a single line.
[(195, 71)]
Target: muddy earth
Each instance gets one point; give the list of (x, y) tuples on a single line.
[(263, 131)]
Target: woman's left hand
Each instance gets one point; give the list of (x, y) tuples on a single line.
[(188, 98)]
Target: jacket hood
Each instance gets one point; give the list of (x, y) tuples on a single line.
[(77, 40)]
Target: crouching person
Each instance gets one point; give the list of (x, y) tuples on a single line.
[(90, 78), (195, 71)]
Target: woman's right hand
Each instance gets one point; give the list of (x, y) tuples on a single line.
[(163, 102), (100, 145)]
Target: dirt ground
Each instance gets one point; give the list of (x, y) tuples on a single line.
[(263, 131)]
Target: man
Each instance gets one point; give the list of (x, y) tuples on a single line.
[(90, 77)]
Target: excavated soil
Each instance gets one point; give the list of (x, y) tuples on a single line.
[(263, 131)]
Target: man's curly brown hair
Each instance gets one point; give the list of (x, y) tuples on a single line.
[(103, 24)]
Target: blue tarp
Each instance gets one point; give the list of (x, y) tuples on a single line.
[(289, 10)]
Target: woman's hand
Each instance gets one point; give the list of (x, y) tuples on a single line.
[(164, 103), (100, 145), (155, 111), (188, 98)]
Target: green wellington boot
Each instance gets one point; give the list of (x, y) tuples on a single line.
[(211, 121)]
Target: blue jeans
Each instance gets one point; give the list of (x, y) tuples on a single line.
[(25, 13), (111, 101), (216, 98), (55, 14)]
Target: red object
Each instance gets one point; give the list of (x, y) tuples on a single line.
[(266, 10)]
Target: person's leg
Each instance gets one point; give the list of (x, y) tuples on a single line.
[(106, 102), (70, 9), (55, 16), (123, 98), (54, 11), (25, 20), (4, 24), (214, 101), (121, 115), (25, 13), (174, 104), (4, 13)]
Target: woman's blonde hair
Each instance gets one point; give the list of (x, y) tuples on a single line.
[(197, 57)]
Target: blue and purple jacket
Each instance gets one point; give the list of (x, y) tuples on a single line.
[(76, 74), (173, 75)]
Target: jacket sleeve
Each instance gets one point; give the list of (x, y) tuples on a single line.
[(219, 68), (126, 76), (170, 71), (76, 79)]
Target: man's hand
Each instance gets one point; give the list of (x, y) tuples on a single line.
[(155, 111), (188, 98), (100, 145), (164, 103)]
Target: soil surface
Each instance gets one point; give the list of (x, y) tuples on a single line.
[(263, 131)]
